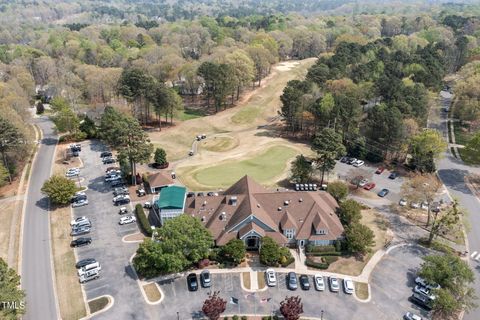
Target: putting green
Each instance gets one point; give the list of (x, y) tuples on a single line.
[(263, 168)]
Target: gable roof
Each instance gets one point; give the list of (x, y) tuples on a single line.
[(160, 179), (172, 197), (287, 221), (245, 185)]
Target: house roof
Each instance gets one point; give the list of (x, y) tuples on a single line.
[(260, 209), (172, 197), (160, 179), (251, 227)]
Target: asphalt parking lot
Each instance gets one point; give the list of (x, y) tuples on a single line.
[(342, 171), (116, 278)]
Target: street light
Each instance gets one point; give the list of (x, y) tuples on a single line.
[(321, 315)]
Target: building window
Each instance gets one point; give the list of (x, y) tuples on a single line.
[(321, 231), (289, 233)]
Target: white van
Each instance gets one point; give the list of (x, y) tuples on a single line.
[(89, 275), (82, 223), (89, 267)]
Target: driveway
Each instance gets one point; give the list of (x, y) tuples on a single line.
[(117, 278), (36, 250), (391, 285)]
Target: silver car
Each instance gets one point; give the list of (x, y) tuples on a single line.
[(334, 285)]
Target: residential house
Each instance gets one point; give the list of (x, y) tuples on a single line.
[(159, 180)]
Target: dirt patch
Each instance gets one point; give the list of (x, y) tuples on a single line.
[(246, 280), (134, 237), (354, 265), (152, 292), (261, 280), (7, 209), (361, 290), (69, 291)]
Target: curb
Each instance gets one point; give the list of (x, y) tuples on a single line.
[(369, 298), (132, 241), (141, 284)]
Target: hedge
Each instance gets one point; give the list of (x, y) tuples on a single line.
[(311, 248), (288, 262), (317, 265), (324, 254), (144, 223)]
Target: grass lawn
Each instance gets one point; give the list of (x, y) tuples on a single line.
[(6, 215), (219, 144), (98, 304), (468, 157), (189, 114), (261, 280), (246, 115), (361, 290), (263, 168), (462, 136), (352, 265), (246, 280), (152, 292)]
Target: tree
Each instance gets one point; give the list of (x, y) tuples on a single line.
[(4, 174), (360, 238), (422, 188), (59, 189), (349, 212), (291, 308), (40, 107), (165, 100), (338, 190), (234, 251), (302, 170), (473, 146), (134, 85), (454, 276), (328, 146), (182, 242), (125, 134), (160, 156), (64, 118), (243, 68), (10, 139), (424, 148), (447, 220), (214, 306), (10, 291), (88, 127), (269, 252)]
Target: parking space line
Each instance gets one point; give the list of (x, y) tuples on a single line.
[(96, 288)]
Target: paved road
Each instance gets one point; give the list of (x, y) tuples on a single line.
[(452, 171), (36, 260)]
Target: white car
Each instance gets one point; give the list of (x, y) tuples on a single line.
[(358, 163), (112, 178), (415, 205), (334, 286), (89, 275), (363, 182), (271, 277), (402, 202), (78, 220), (92, 266), (424, 206), (411, 316), (348, 286), (319, 282), (70, 174), (121, 197), (127, 220), (79, 203)]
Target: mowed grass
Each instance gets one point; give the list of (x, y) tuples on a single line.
[(219, 144), (189, 114), (263, 168), (361, 290), (152, 292), (6, 215), (468, 157), (246, 280)]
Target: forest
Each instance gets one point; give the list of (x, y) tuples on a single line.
[(378, 64)]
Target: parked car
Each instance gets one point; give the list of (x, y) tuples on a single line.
[(121, 197), (204, 136), (393, 175), (78, 197), (90, 275), (192, 282), (402, 202), (127, 220), (424, 283), (81, 224), (380, 170), (79, 219), (344, 159), (80, 231), (109, 160), (190, 194), (348, 286), (383, 193), (352, 160), (271, 277), (200, 194), (292, 281), (105, 154), (358, 163), (80, 203), (424, 205), (421, 301), (84, 262), (141, 192), (147, 205), (415, 205), (123, 210), (369, 186), (334, 285), (411, 316), (81, 242), (319, 283), (424, 291), (191, 153), (121, 201), (70, 174), (75, 153), (198, 138), (435, 207), (112, 178), (120, 191), (205, 279), (304, 283), (109, 169), (118, 184), (363, 182), (92, 266)]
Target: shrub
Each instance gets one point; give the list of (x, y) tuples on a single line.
[(338, 245), (144, 223), (203, 263), (244, 317), (312, 248), (225, 318), (40, 108), (318, 265), (235, 317), (330, 259), (324, 254)]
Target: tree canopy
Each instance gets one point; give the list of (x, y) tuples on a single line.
[(59, 189), (10, 292)]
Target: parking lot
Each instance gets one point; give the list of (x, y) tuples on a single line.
[(116, 277)]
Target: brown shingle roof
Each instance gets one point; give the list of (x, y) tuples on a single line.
[(287, 221), (160, 179), (249, 227), (244, 186)]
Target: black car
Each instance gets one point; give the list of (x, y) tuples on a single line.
[(105, 154), (78, 198), (421, 301), (117, 183), (393, 175), (304, 282), (190, 194), (192, 282), (109, 161), (292, 281), (81, 242), (200, 194), (121, 201), (84, 262), (344, 159), (76, 153)]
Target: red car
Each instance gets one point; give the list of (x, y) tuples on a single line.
[(379, 170), (369, 186)]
